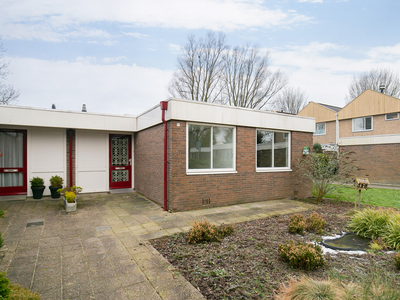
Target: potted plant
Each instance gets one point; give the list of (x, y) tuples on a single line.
[(37, 186), (56, 183), (70, 194)]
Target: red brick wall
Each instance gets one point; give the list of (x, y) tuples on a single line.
[(185, 192), (380, 163), (72, 141), (149, 163)]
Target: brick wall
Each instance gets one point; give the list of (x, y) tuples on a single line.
[(380, 163), (329, 137), (149, 163), (70, 139), (185, 192), (379, 127)]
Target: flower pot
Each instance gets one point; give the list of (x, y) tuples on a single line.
[(70, 207), (37, 191), (53, 191)]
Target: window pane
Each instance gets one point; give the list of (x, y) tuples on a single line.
[(392, 116), (280, 150), (358, 124), (264, 149), (199, 147), (222, 147), (320, 128), (368, 123)]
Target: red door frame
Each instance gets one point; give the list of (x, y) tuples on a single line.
[(17, 190), (123, 184)]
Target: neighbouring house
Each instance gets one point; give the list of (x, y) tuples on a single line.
[(215, 155), (369, 126), (326, 124)]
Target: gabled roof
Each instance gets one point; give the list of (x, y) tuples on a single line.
[(369, 103), (321, 112), (331, 107)]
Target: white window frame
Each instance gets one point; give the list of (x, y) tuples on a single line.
[(315, 133), (372, 124), (276, 169), (396, 118), (210, 171)]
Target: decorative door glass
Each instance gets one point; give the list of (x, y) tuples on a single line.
[(120, 158)]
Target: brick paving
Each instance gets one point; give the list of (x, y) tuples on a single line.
[(102, 250)]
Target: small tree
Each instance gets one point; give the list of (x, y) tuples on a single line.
[(8, 95), (324, 169)]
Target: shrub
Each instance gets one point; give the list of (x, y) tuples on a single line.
[(204, 232), (75, 189), (1, 240), (36, 182), (307, 289), (370, 222), (383, 223), (20, 293), (397, 261), (70, 197), (315, 223), (391, 235), (317, 148), (302, 255), (296, 224), (4, 286), (56, 181)]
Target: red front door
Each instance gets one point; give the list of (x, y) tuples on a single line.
[(13, 175), (120, 161)]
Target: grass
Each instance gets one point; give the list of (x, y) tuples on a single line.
[(372, 196)]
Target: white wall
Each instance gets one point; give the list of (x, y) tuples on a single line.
[(46, 155), (92, 160)]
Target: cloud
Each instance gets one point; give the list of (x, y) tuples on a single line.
[(176, 49), (135, 35), (59, 20), (323, 71), (312, 1), (115, 89)]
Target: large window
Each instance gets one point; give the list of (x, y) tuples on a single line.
[(210, 148), (320, 128), (362, 124), (273, 149)]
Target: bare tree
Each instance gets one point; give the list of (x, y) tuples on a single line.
[(199, 69), (372, 80), (247, 80), (8, 95), (291, 100)]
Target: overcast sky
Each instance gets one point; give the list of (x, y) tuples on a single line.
[(118, 56)]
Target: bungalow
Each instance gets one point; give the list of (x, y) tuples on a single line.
[(181, 154)]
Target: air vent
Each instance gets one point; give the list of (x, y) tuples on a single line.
[(205, 201)]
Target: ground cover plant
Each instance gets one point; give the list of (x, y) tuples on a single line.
[(372, 196), (247, 264), (379, 224)]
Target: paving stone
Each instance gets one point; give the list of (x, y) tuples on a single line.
[(142, 291)]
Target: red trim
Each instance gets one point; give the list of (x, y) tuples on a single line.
[(164, 107), (71, 177), (123, 184), (18, 190)]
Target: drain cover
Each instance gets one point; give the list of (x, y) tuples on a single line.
[(35, 222), (99, 228)]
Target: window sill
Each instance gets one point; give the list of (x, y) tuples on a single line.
[(208, 172), (316, 134), (270, 170), (363, 130)]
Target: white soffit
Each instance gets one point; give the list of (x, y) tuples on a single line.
[(217, 114), (27, 116)]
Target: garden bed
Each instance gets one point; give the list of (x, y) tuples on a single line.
[(246, 265)]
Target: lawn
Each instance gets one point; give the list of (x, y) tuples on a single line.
[(372, 196)]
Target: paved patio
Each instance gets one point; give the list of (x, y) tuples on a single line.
[(102, 250)]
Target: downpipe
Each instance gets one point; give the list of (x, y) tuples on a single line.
[(164, 107)]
